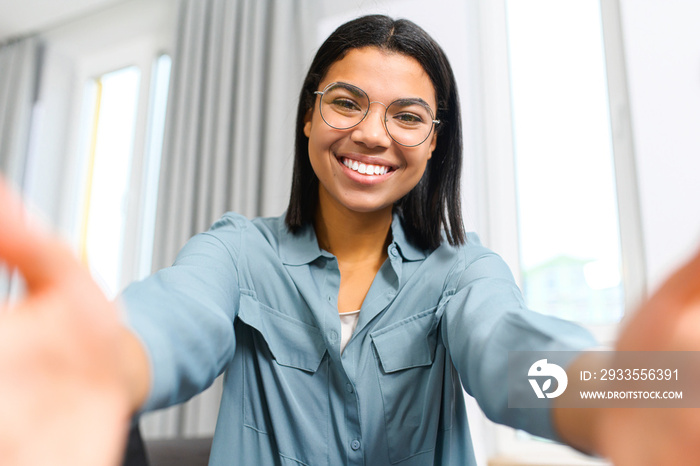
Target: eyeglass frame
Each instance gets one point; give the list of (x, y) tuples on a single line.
[(434, 122)]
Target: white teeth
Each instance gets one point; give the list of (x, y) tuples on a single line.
[(365, 169)]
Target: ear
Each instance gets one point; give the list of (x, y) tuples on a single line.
[(433, 143), (307, 123)]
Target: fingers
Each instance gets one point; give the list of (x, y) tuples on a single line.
[(686, 282), (670, 319), (681, 289), (41, 259)]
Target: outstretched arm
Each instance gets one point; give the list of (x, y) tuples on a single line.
[(669, 321), (71, 375)]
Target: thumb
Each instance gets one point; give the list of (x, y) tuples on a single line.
[(41, 259)]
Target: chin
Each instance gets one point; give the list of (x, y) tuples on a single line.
[(371, 209), (365, 206)]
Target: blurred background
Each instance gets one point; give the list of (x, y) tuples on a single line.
[(131, 125)]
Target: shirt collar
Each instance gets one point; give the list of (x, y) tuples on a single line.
[(408, 251), (302, 247), (299, 248)]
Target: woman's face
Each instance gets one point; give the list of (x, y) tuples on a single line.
[(333, 153)]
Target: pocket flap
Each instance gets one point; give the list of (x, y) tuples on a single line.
[(406, 344), (292, 343)]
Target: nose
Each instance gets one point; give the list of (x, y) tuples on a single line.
[(372, 129)]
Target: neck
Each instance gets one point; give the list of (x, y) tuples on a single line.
[(352, 236)]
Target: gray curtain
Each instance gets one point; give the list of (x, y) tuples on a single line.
[(19, 80), (236, 75)]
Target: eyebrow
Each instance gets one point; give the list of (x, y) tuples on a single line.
[(402, 100), (352, 89), (412, 100)]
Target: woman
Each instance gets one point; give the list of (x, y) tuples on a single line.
[(346, 329)]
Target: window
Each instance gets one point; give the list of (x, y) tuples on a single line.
[(569, 241), (115, 101)]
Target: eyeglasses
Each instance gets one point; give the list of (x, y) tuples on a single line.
[(409, 121)]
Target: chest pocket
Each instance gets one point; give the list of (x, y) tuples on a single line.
[(411, 376), (285, 386)]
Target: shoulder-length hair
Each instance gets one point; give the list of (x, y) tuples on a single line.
[(433, 205)]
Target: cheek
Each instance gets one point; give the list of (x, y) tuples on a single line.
[(322, 140), (416, 166), (319, 151), (315, 143), (420, 159)]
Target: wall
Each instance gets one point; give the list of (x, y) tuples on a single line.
[(662, 46), (29, 16)]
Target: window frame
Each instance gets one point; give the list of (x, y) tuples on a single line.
[(142, 53), (500, 228)]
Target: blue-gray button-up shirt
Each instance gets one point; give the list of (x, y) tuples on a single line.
[(251, 300)]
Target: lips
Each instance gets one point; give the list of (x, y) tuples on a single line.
[(366, 169)]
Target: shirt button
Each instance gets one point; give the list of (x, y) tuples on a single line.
[(355, 445), (333, 335), (348, 387)]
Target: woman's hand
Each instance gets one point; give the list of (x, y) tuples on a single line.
[(64, 392), (669, 321)]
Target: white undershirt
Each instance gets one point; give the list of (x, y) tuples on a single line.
[(348, 322)]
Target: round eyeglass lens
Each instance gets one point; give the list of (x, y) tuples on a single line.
[(409, 122), (343, 106)]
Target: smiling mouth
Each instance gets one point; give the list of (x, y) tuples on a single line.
[(366, 169)]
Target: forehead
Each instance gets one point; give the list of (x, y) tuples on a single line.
[(384, 76)]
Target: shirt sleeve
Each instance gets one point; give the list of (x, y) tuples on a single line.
[(484, 319), (184, 314)]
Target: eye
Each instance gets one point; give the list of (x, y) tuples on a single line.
[(342, 104), (408, 119), (407, 114)]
